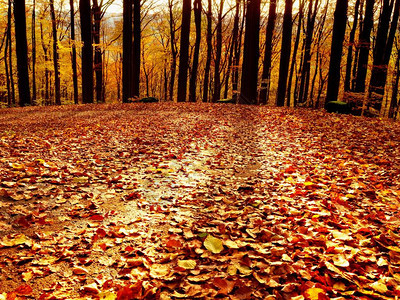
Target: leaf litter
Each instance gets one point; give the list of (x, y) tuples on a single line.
[(189, 201)]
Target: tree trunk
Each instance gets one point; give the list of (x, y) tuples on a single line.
[(209, 49), (193, 78), (251, 52), (294, 55), (236, 60), (127, 52), (73, 48), (364, 46), (305, 72), (172, 30), (22, 53), (382, 52), (285, 53), (218, 52), (55, 54), (8, 60), (33, 37), (87, 51), (349, 60), (339, 28), (98, 59), (184, 51), (46, 70), (394, 104), (136, 49), (265, 77)]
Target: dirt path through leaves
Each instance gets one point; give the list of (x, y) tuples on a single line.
[(170, 201)]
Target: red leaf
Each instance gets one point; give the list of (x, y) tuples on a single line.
[(96, 218), (172, 243), (24, 289)]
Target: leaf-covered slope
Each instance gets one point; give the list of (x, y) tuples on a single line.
[(197, 201)]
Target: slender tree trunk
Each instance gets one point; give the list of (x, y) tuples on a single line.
[(174, 53), (294, 55), (209, 49), (251, 52), (193, 78), (184, 51), (285, 53), (98, 59), (382, 52), (394, 104), (46, 70), (55, 54), (136, 49), (7, 59), (33, 37), (236, 59), (127, 52), (218, 52), (87, 51), (73, 49), (235, 32), (349, 60), (265, 77), (305, 72), (22, 53), (364, 46), (339, 28)]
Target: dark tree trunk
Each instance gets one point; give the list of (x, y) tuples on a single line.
[(209, 49), (8, 60), (339, 28), (382, 52), (98, 58), (87, 51), (236, 60), (305, 72), (251, 52), (55, 54), (234, 41), (349, 60), (193, 78), (218, 52), (127, 52), (364, 47), (22, 53), (73, 49), (46, 70), (136, 49), (285, 53), (33, 36), (172, 30), (265, 77), (294, 55), (184, 51)]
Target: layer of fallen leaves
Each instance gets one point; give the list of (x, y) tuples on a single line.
[(171, 201)]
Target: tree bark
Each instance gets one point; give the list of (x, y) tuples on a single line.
[(46, 70), (184, 51), (251, 52), (218, 52), (197, 7), (136, 49), (87, 51), (172, 30), (98, 59), (33, 37), (73, 49), (22, 53), (349, 61), (364, 46), (127, 51), (55, 54), (269, 34), (209, 49), (285, 53), (339, 28)]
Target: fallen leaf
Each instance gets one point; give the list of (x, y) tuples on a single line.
[(213, 244)]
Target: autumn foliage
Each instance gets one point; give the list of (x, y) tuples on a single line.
[(170, 201)]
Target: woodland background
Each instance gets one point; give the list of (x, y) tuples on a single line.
[(285, 53)]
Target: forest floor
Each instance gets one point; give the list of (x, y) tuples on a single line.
[(197, 201)]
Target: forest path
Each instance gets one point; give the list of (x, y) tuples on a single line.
[(197, 201)]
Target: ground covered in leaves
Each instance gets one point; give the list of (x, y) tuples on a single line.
[(172, 201)]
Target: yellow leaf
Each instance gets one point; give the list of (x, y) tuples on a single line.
[(340, 286), (187, 264), (341, 236), (26, 276), (232, 270), (394, 248), (159, 270), (231, 244), (213, 244), (380, 287), (16, 240), (107, 296), (313, 293), (340, 261), (244, 270)]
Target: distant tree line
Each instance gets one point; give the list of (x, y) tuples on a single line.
[(296, 53)]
